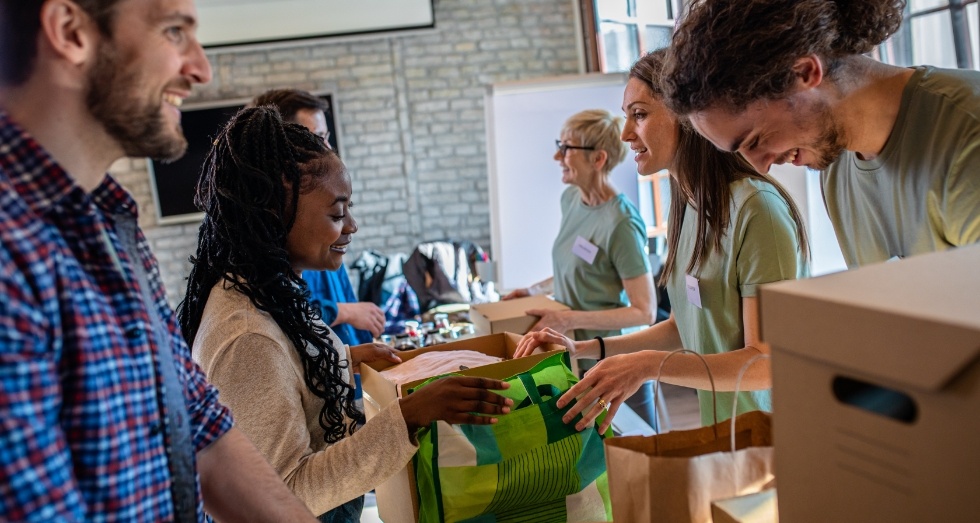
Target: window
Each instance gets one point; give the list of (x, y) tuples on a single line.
[(943, 33), (655, 202), (627, 29)]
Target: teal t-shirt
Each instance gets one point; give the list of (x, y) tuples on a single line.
[(616, 229), (922, 193), (760, 246)]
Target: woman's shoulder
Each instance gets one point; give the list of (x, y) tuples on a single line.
[(625, 206), (230, 314), (757, 194), (623, 211)]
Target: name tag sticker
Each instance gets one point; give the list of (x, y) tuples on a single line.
[(693, 290), (584, 249)]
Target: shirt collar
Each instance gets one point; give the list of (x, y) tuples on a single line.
[(42, 183)]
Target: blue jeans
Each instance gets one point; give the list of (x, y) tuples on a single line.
[(642, 403), (349, 512)]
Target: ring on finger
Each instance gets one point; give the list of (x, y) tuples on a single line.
[(602, 403)]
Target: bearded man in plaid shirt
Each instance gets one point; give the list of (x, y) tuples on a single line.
[(103, 415)]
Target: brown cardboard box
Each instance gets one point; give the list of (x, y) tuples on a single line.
[(396, 497), (508, 316), (751, 508), (901, 337)]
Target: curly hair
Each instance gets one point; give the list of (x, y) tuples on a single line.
[(249, 191), (733, 52), (703, 177)]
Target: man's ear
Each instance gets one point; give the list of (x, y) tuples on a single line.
[(68, 31), (809, 71)]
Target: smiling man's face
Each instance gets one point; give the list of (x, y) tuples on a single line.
[(791, 130), (142, 74)]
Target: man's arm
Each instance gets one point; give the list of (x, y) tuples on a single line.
[(239, 485), (362, 315)]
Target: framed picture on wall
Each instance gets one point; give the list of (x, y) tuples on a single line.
[(173, 184)]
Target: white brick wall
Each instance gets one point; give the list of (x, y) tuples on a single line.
[(410, 112)]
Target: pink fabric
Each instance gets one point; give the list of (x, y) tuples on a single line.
[(435, 363)]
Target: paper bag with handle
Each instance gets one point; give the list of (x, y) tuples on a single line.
[(674, 476)]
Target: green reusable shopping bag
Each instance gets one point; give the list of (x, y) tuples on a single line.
[(529, 466)]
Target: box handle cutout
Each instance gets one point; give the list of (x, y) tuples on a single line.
[(876, 399)]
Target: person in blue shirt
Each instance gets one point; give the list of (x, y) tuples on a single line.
[(353, 321)]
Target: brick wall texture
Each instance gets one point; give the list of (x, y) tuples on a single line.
[(409, 110)]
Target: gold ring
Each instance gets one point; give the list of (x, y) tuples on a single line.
[(602, 404)]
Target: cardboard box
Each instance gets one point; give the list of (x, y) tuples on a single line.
[(751, 508), (397, 501), (508, 316), (876, 391)]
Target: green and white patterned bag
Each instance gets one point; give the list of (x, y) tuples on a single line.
[(530, 466)]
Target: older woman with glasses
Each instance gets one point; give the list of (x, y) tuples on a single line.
[(601, 269)]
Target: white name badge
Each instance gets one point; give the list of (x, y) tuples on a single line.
[(693, 290), (584, 249)]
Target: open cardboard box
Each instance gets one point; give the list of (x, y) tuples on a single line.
[(397, 500), (876, 391), (508, 316)]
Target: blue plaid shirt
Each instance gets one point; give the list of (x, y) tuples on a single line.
[(81, 393)]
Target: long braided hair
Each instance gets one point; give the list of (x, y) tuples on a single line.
[(249, 191)]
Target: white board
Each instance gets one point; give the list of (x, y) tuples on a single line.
[(523, 121), (238, 22)]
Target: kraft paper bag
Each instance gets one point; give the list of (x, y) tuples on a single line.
[(674, 477)]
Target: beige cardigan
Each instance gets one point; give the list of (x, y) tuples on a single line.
[(260, 377)]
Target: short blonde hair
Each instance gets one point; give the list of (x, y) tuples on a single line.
[(600, 129)]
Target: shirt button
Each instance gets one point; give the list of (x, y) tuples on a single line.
[(134, 333), (154, 429)]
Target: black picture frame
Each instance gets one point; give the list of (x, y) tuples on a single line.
[(173, 184)]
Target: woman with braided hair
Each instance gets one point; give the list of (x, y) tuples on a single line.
[(277, 201)]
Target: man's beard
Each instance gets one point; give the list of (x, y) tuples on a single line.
[(136, 124), (830, 144)]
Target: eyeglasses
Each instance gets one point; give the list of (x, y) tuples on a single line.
[(564, 147)]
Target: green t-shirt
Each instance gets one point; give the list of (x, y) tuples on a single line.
[(617, 230), (922, 193), (760, 246)]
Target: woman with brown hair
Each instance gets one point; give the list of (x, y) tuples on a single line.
[(731, 230)]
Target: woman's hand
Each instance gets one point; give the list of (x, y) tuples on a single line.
[(368, 352), (516, 293), (455, 399), (551, 319), (533, 340), (612, 380)]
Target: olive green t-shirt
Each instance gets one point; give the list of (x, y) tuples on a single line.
[(760, 246), (618, 233), (922, 193)]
